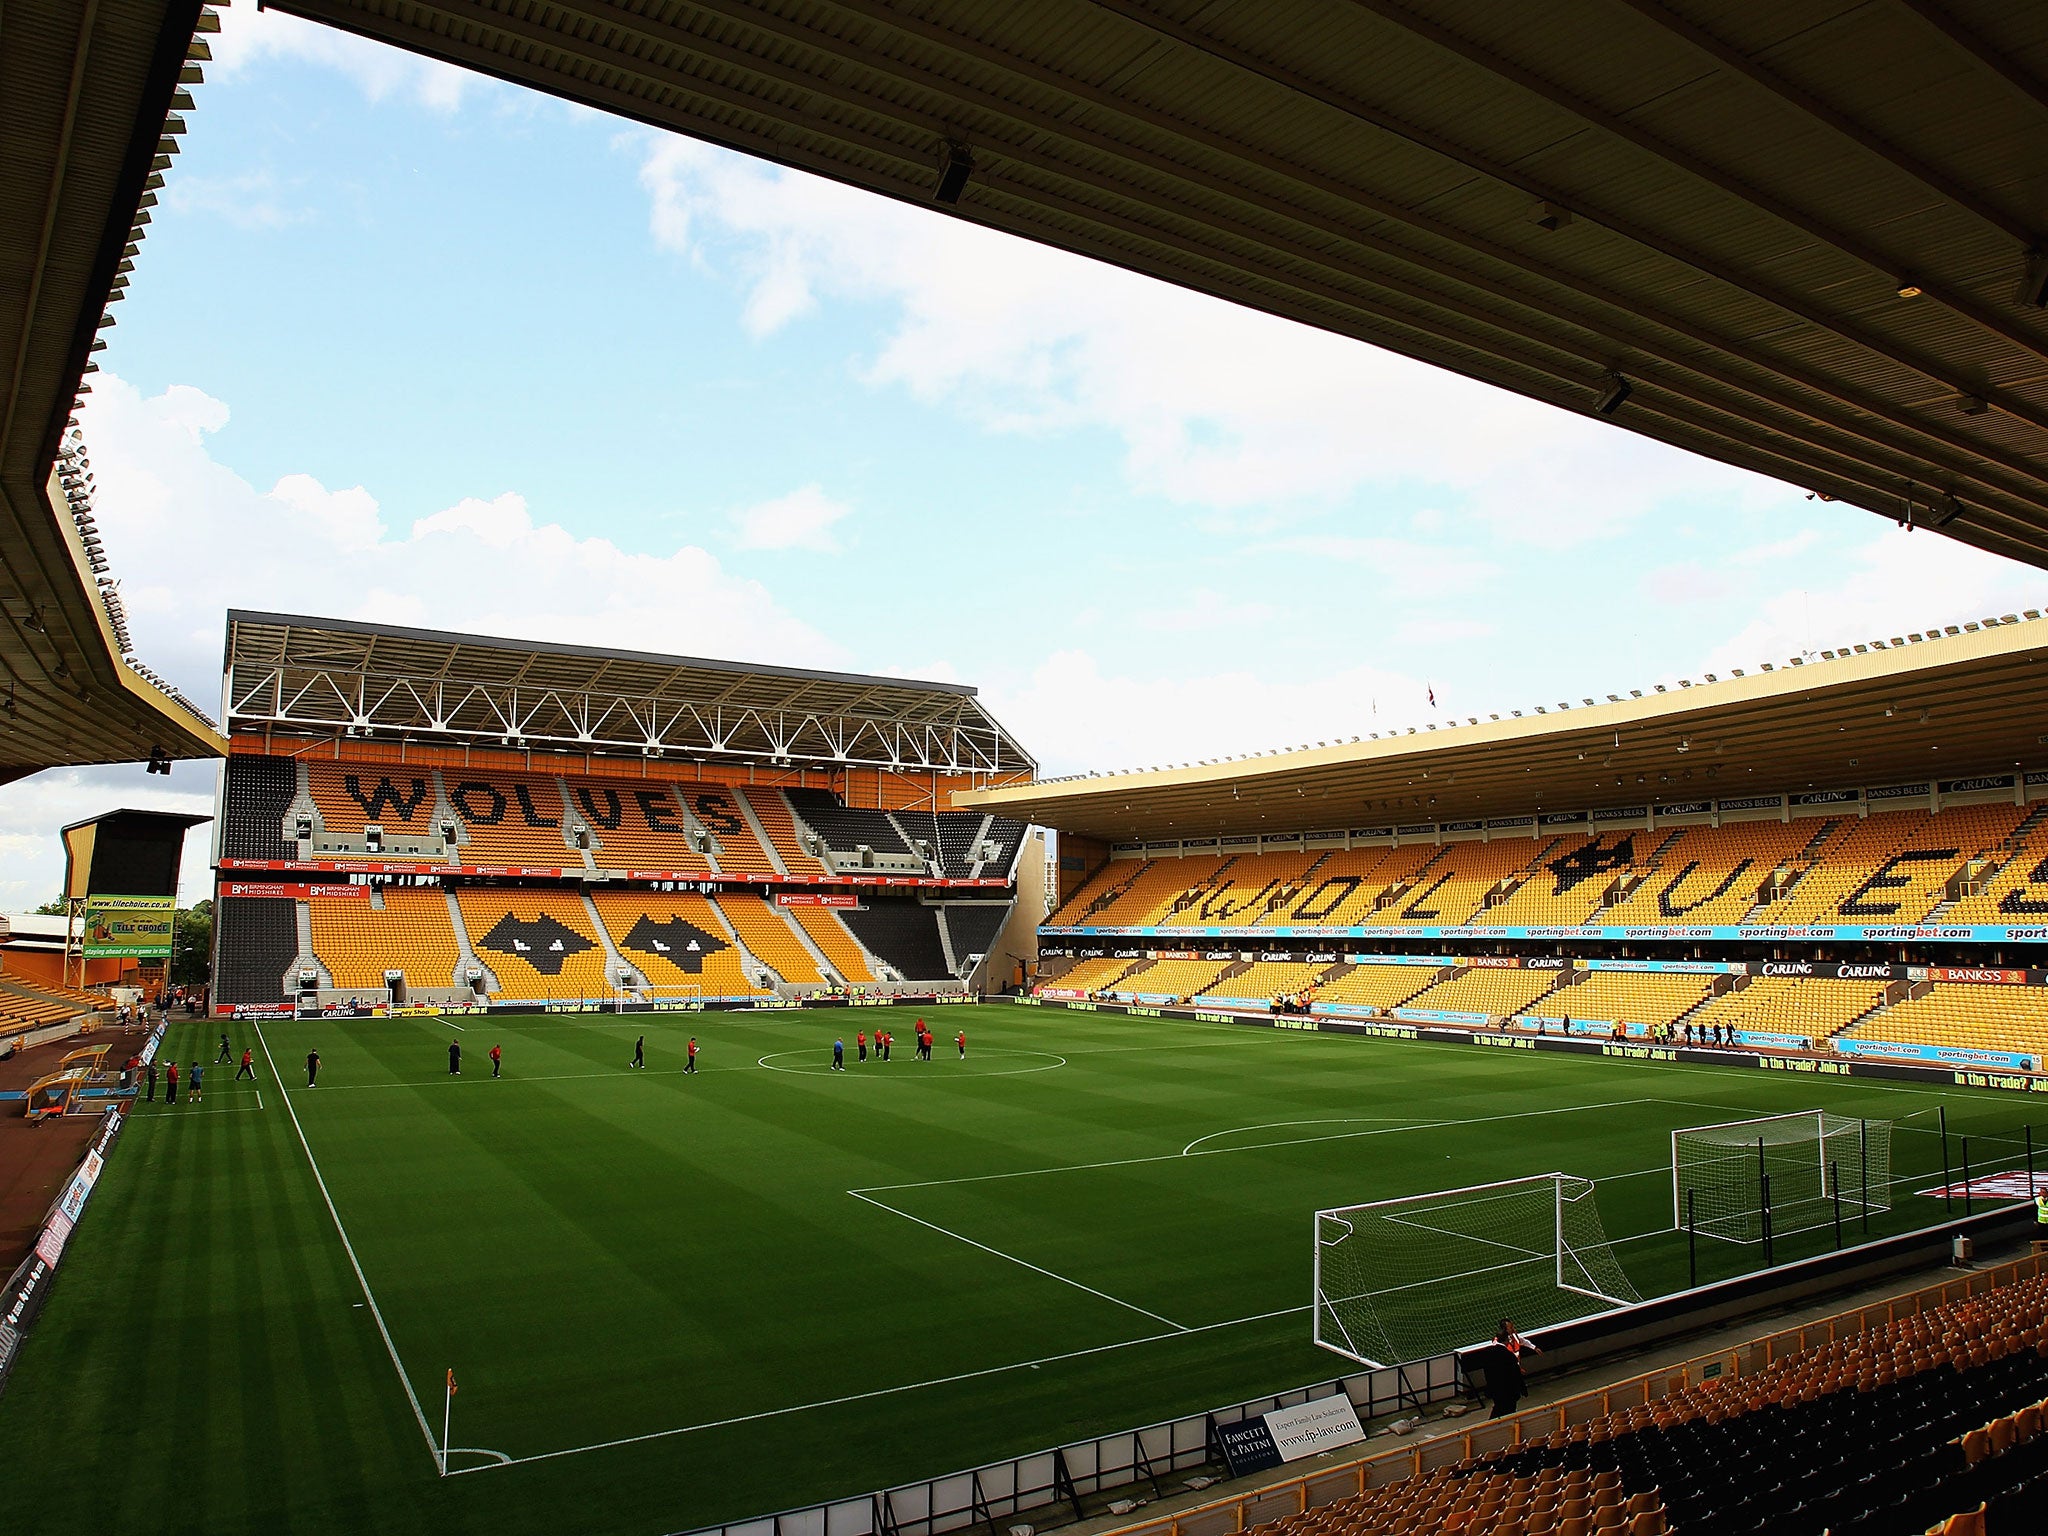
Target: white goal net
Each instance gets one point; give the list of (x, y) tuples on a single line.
[(1725, 1177), (1401, 1280)]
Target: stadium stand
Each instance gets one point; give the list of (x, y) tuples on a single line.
[(351, 796), (902, 932), (1007, 835), (718, 808), (772, 811), (1265, 981), (1805, 1007), (1712, 875), (676, 940), (835, 943), (1094, 975), (1972, 862), (633, 824), (1241, 891), (256, 938), (1892, 867), (1893, 1428), (1175, 979), (973, 926), (1971, 1016), (1374, 986), (1624, 997), (1496, 992), (358, 943), (2014, 882), (509, 818), (844, 828), (768, 937), (1460, 883), (539, 944), (256, 793)]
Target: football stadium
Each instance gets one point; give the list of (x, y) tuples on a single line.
[(678, 1094)]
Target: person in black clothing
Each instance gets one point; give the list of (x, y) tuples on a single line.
[(226, 1054), (312, 1069), (455, 1058), (149, 1094), (1505, 1383), (640, 1053)]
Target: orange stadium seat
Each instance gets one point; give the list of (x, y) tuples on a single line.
[(1625, 997), (1176, 979), (777, 820), (676, 940), (509, 818), (835, 943), (351, 796), (1913, 854), (764, 931), (539, 944), (1810, 1008), (717, 807), (413, 934), (1967, 1015), (1497, 992), (1375, 986), (1264, 981)]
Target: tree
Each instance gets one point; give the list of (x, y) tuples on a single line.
[(53, 908), (192, 948)]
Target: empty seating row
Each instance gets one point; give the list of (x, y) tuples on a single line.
[(1889, 867)]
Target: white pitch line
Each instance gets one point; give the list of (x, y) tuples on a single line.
[(877, 1392), (1275, 1125), (376, 1313), (1036, 1269), (1253, 1146)]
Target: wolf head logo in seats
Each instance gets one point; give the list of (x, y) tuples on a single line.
[(683, 945), (542, 942), (1591, 861)]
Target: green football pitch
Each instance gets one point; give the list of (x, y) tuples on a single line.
[(672, 1300)]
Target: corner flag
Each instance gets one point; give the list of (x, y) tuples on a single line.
[(451, 1381)]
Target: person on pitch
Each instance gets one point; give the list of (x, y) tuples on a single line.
[(194, 1095), (225, 1053), (455, 1058), (248, 1067), (860, 1045), (149, 1094), (171, 1083), (961, 1041), (497, 1060), (690, 1066), (640, 1053), (838, 1055), (312, 1069)]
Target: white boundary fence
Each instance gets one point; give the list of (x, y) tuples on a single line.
[(1058, 1479)]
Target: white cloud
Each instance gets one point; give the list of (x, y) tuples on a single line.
[(1898, 582), (250, 37), (32, 809), (1215, 405), (191, 538), (250, 201), (801, 520)]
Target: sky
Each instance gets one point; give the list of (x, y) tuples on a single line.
[(410, 345)]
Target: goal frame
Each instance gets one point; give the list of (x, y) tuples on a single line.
[(1320, 1303), (1820, 1150)]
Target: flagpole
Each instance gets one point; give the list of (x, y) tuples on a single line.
[(447, 1412)]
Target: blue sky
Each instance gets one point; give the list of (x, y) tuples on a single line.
[(408, 344)]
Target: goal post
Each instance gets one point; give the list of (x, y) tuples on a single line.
[(1807, 1161), (1402, 1279)]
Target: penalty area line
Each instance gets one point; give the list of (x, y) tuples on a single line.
[(1036, 1269), (376, 1313), (879, 1392)]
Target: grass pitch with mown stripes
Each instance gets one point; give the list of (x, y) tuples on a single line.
[(662, 1296)]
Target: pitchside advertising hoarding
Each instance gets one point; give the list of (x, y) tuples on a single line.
[(1289, 1434), (129, 927)]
